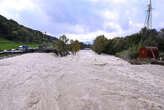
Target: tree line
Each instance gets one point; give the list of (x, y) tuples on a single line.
[(128, 46)]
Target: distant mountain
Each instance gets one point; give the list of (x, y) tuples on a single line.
[(11, 30), (88, 42)]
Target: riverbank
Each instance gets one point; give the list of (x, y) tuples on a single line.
[(3, 56), (7, 54)]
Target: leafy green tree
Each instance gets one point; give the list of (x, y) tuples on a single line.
[(64, 39), (100, 44), (61, 46), (75, 46)]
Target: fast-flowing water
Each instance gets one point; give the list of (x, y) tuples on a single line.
[(41, 81)]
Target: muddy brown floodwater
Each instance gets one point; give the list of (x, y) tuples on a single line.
[(41, 81)]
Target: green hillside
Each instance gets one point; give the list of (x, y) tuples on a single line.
[(13, 31)]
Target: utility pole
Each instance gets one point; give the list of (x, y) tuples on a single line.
[(148, 21)]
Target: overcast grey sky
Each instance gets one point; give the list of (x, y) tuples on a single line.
[(83, 19)]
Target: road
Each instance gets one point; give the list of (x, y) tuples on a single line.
[(41, 81)]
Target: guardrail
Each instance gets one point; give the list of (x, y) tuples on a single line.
[(47, 50), (11, 52)]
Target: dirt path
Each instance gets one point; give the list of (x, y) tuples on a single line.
[(88, 81)]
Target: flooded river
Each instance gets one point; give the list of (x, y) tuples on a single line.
[(41, 81)]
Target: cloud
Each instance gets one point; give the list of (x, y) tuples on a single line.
[(90, 36), (10, 8), (18, 5), (110, 1), (110, 15), (83, 19)]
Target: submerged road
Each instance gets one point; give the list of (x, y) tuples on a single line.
[(41, 81)]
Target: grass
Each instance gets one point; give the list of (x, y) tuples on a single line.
[(132, 57), (7, 44)]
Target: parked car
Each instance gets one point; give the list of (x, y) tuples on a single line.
[(23, 48), (13, 50), (4, 50)]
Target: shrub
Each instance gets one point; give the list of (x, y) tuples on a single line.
[(124, 55), (131, 53)]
